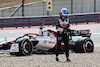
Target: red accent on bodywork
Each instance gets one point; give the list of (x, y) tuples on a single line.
[(88, 31), (51, 42), (62, 46), (32, 34), (14, 45), (30, 37), (45, 42), (53, 32)]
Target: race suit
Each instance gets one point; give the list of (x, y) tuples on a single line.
[(62, 27)]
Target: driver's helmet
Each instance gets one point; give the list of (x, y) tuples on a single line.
[(64, 13)]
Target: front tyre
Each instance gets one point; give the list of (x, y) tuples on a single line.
[(25, 48)]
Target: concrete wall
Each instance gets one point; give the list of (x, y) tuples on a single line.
[(39, 8), (0, 13), (6, 12), (35, 9), (83, 6), (58, 4), (98, 5)]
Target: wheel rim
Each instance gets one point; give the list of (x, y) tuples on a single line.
[(27, 47), (88, 46)]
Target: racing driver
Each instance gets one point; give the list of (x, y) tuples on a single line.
[(63, 27)]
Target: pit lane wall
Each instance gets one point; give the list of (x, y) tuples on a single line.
[(47, 20)]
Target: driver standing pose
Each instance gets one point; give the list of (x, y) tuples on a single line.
[(63, 27)]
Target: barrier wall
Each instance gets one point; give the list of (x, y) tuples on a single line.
[(47, 20), (27, 22)]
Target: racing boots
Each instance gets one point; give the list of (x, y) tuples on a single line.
[(68, 60), (57, 59)]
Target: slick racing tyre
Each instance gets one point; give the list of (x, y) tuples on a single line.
[(25, 48), (84, 45)]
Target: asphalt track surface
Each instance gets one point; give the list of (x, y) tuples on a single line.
[(12, 33)]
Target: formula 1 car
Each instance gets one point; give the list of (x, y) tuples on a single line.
[(46, 41)]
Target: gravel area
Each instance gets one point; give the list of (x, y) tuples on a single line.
[(41, 60)]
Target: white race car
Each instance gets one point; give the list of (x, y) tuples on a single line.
[(45, 41)]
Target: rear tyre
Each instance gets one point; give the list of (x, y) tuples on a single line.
[(25, 48), (84, 45)]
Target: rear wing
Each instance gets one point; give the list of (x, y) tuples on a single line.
[(83, 33)]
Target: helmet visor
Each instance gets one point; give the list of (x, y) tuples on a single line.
[(65, 15)]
